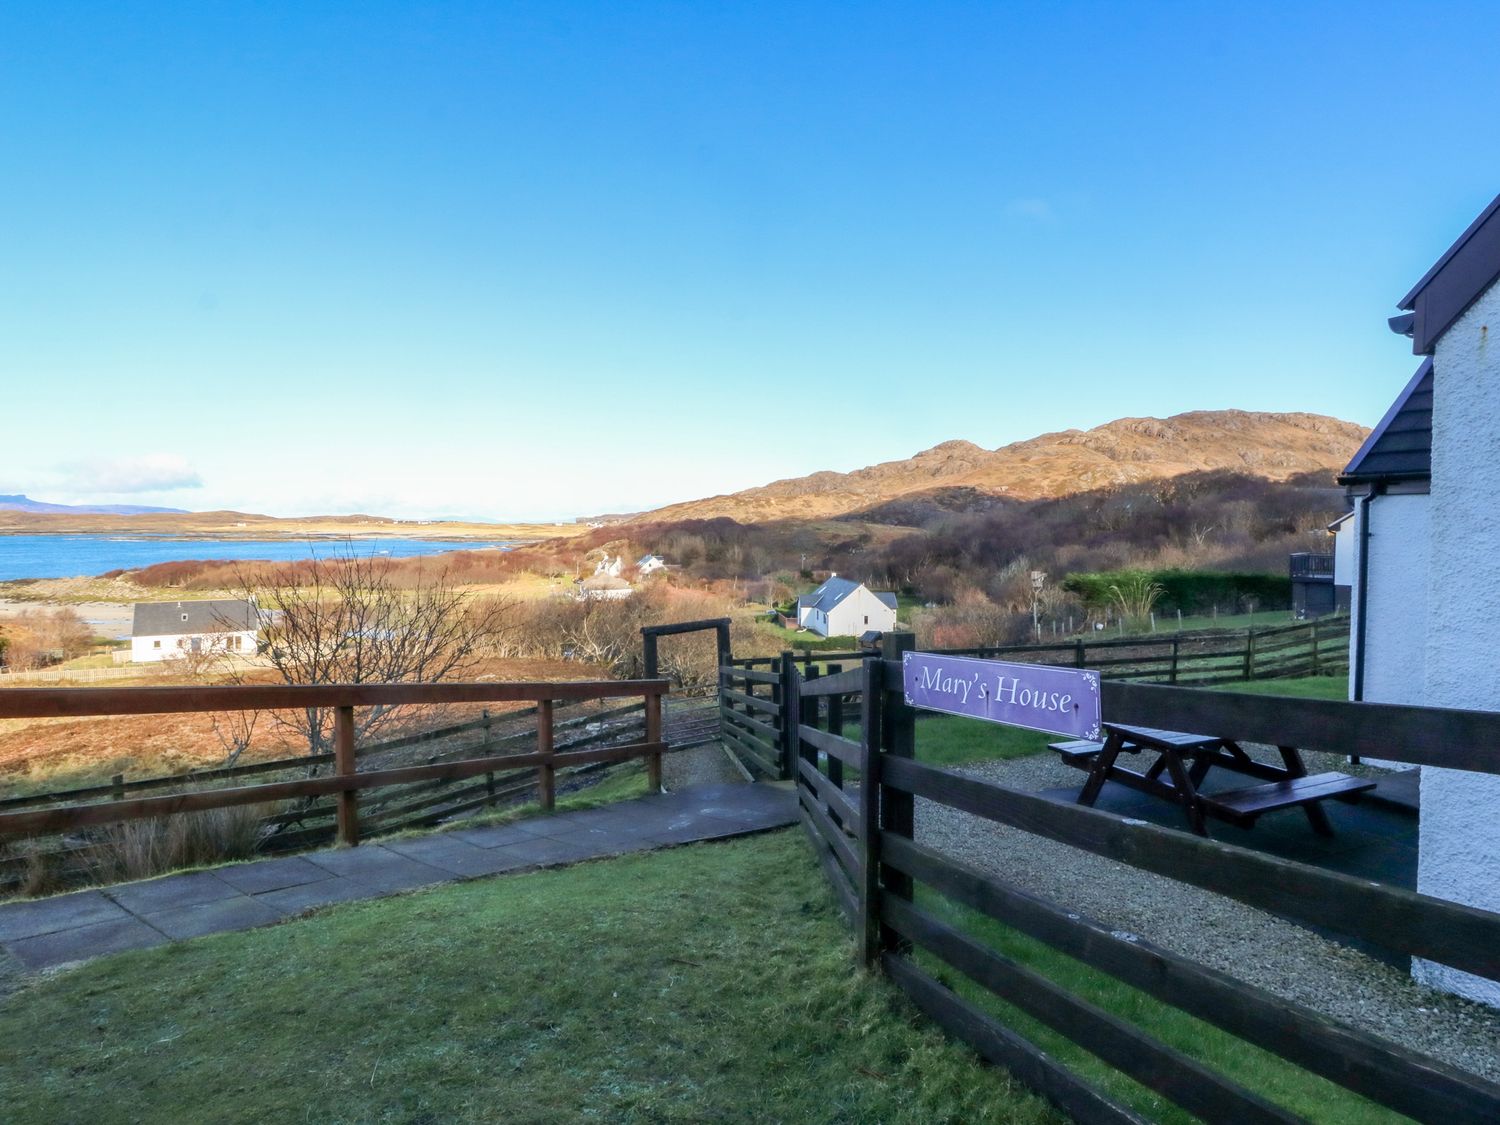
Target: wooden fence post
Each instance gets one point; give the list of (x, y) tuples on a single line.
[(1317, 667), (648, 655), (546, 773), (898, 739), (835, 726), (117, 787), (721, 643), (788, 709), (1249, 654), (808, 708), (1174, 660), (867, 929), (653, 734), (345, 766), (1079, 660)]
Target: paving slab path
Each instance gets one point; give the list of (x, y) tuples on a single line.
[(42, 933)]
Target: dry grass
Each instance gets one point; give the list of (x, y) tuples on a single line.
[(139, 849), (40, 755)]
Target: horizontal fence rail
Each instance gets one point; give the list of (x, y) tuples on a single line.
[(1205, 659), (893, 889), (500, 771), (751, 705), (52, 703)]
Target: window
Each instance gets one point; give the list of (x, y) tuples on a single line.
[(867, 619), (156, 644), (184, 617)]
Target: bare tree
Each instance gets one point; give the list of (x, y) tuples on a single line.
[(346, 619), (39, 637), (235, 730)]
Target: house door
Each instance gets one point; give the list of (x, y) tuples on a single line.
[(197, 644)]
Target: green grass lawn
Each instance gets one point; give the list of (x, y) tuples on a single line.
[(805, 641), (707, 983), (1308, 687), (1167, 623), (1266, 1074), (948, 740)]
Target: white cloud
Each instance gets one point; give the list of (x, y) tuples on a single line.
[(150, 472)]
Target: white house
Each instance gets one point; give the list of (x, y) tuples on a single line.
[(604, 587), (1427, 561), (609, 567), (163, 630), (650, 564), (841, 608)]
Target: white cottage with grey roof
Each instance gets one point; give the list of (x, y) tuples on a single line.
[(1427, 557), (841, 608), (163, 630)]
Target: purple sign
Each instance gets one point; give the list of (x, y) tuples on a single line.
[(1034, 696)]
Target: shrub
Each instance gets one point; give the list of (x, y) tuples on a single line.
[(138, 849), (1191, 591)]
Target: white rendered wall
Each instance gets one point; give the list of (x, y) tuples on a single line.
[(1460, 827), (143, 650), (1345, 564), (848, 618), (1395, 649)]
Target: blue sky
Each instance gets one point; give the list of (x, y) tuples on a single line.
[(539, 261)]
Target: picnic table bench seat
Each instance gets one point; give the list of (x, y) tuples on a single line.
[(1243, 806), (1079, 752)]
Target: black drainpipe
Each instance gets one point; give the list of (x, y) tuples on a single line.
[(1364, 589)]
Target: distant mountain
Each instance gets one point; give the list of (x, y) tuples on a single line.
[(19, 503), (962, 476)]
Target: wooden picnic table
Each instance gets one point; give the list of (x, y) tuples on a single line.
[(1183, 760)]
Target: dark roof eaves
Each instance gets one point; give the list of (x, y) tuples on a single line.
[(1383, 478), (1410, 299), (1351, 471)]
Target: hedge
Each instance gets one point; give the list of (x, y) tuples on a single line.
[(1191, 591)]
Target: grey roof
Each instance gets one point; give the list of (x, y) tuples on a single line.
[(835, 590), (1400, 447), (165, 619), (1470, 266)]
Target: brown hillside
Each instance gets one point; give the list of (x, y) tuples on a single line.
[(246, 525), (1272, 446)]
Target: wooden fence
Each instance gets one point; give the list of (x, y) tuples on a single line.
[(750, 719), (1311, 648), (515, 772), (893, 889)]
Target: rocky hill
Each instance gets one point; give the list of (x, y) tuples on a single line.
[(960, 475)]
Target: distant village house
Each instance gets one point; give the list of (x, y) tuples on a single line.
[(841, 608), (164, 630), (650, 564), (604, 588)]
